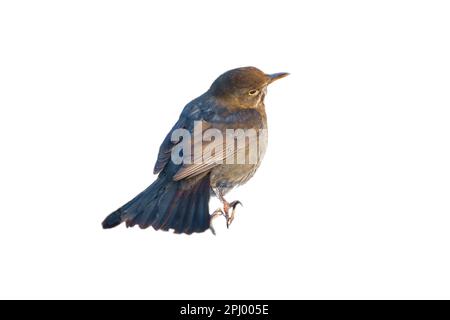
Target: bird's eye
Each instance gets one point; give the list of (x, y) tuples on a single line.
[(253, 92)]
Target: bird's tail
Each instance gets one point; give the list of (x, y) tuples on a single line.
[(165, 205)]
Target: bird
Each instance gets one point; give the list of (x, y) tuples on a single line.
[(179, 198)]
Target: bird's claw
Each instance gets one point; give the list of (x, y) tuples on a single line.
[(225, 212), (230, 217), (235, 203), (217, 213)]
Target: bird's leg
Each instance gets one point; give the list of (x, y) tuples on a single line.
[(226, 206), (217, 213)]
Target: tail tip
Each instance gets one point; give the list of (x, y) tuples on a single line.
[(113, 220)]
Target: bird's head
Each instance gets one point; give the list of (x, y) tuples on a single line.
[(243, 87)]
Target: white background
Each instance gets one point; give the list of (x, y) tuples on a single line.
[(352, 200)]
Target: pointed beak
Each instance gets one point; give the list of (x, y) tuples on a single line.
[(275, 76)]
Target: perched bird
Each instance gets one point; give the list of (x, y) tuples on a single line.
[(179, 198)]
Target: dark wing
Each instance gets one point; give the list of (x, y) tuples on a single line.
[(199, 163), (166, 147), (213, 153), (193, 111), (218, 152), (212, 116)]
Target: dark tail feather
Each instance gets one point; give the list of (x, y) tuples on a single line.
[(113, 220), (165, 205)]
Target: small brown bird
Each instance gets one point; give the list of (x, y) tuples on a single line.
[(217, 144)]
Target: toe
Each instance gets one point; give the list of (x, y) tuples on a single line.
[(235, 203)]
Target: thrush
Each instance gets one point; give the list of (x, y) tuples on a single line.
[(178, 199)]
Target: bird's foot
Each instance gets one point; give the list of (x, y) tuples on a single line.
[(229, 216), (226, 208), (217, 213)]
